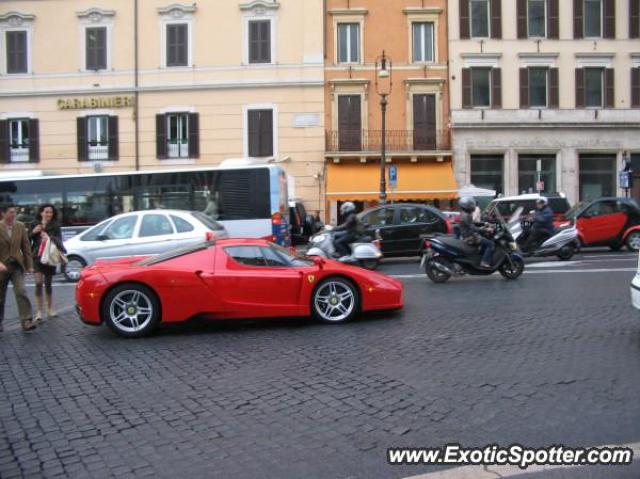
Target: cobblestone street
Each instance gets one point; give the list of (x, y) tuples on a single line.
[(551, 358)]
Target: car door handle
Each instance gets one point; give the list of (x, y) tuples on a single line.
[(202, 274)]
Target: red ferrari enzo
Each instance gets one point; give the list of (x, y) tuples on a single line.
[(224, 279)]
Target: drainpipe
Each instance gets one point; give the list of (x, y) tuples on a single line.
[(136, 107)]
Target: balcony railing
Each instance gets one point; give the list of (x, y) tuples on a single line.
[(98, 152), (399, 141)]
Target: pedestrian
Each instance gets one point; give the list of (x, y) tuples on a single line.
[(15, 260), (45, 227)]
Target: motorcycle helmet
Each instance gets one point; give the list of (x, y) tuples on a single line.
[(467, 203), (347, 208), (542, 201)]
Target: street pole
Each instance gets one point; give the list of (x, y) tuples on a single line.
[(383, 156)]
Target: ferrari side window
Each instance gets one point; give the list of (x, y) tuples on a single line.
[(246, 255), (273, 259)]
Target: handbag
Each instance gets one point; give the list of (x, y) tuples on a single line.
[(54, 255), (44, 251)]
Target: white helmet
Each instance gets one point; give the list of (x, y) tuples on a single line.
[(543, 200), (347, 208)]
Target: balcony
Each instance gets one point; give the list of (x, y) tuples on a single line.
[(405, 142)]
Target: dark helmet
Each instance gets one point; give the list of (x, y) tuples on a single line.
[(467, 204), (347, 208)]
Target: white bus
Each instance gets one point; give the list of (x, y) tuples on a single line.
[(249, 201)]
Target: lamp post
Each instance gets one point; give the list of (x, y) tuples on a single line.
[(384, 84)]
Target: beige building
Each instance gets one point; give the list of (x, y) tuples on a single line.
[(545, 94), (97, 86)]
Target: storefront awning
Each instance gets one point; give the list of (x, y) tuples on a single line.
[(416, 181)]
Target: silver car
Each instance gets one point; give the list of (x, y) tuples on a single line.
[(140, 233)]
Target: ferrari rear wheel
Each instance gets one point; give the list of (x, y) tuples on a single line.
[(131, 310), (335, 300)]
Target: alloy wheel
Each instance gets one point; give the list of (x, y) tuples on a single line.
[(131, 311), (334, 301)]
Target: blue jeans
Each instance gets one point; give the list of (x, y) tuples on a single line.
[(486, 247)]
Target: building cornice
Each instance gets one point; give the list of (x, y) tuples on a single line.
[(349, 81), (348, 11), (15, 19), (95, 14), (260, 6), (177, 9), (172, 87), (422, 11), (425, 81)]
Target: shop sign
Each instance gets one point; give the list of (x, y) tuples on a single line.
[(95, 102)]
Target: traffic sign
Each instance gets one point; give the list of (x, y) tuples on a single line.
[(393, 176)]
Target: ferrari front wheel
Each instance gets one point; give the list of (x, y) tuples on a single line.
[(335, 300), (131, 310)]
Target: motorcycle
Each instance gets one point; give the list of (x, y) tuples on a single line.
[(365, 252), (563, 243), (446, 256)]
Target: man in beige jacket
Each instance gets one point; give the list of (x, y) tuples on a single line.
[(15, 260)]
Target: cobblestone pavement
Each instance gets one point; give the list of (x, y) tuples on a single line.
[(550, 358)]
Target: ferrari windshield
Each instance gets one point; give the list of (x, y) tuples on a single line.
[(176, 253)]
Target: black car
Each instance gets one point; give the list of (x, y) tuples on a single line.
[(401, 226)]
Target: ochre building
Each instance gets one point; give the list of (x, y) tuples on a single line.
[(413, 36)]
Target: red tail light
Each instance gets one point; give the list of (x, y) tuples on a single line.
[(210, 236), (276, 218), (427, 244), (449, 228)]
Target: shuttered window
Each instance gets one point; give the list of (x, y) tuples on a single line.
[(479, 18), (22, 137), (96, 48), (634, 18), (177, 135), (593, 18), (260, 41), (635, 87), (98, 138), (16, 41), (538, 87), (177, 45), (536, 18), (481, 87), (595, 88), (260, 133)]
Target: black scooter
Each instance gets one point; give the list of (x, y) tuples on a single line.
[(446, 256)]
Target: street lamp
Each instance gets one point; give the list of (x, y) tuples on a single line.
[(384, 68)]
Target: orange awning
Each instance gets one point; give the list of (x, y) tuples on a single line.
[(416, 181)]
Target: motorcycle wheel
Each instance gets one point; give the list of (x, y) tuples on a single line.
[(434, 274), (512, 272), (369, 264), (566, 253)]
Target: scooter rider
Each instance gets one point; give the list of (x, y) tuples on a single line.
[(472, 234), (348, 231), (542, 227)]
